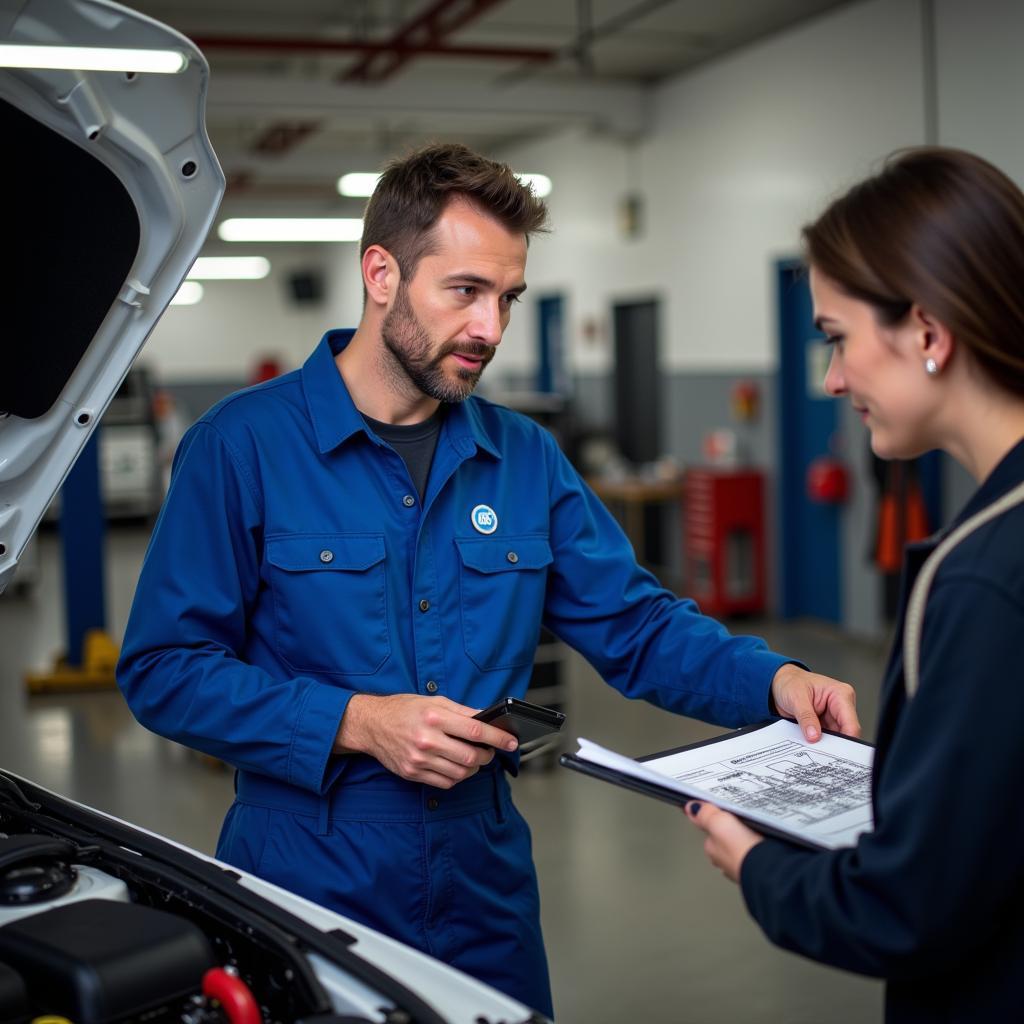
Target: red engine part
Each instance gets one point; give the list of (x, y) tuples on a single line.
[(234, 995)]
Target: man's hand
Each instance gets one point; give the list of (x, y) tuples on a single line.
[(728, 839), (815, 702), (422, 739)]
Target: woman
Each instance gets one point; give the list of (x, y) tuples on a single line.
[(917, 276)]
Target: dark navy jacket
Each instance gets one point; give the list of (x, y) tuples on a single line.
[(933, 898), (293, 565)]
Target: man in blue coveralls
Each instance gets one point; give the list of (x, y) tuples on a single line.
[(356, 557)]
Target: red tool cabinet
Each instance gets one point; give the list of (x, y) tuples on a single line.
[(723, 523)]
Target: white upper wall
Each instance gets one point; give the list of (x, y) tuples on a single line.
[(981, 79), (238, 323), (744, 151)]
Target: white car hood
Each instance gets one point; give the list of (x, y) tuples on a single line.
[(112, 187)]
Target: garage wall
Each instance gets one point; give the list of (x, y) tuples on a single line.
[(980, 92), (238, 323), (981, 79), (743, 151)]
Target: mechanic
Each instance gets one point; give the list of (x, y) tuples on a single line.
[(352, 559)]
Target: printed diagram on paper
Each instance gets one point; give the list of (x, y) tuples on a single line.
[(821, 791), (770, 775), (786, 782)]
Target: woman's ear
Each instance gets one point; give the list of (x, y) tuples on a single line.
[(380, 274), (933, 338)]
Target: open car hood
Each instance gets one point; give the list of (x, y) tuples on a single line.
[(112, 188)]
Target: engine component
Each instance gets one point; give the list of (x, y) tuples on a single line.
[(34, 869), (14, 1005), (233, 994), (99, 960)]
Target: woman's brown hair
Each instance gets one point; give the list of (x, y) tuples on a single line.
[(413, 192), (941, 228)]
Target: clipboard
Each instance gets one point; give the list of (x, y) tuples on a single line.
[(666, 794)]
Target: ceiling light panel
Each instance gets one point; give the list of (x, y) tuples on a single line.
[(92, 58), (188, 294), (229, 268), (291, 229)]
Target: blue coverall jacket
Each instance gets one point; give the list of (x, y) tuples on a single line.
[(294, 565), (933, 898)]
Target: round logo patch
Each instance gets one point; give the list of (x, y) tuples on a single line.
[(484, 519)]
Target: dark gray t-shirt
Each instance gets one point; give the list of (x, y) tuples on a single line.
[(415, 443)]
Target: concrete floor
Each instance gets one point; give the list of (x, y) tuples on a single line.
[(638, 926)]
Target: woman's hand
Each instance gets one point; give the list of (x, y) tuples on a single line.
[(728, 839)]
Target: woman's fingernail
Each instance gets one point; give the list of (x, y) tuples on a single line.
[(694, 808)]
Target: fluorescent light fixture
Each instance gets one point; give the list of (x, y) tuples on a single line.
[(188, 294), (291, 229), (229, 268), (358, 184), (541, 183), (361, 183), (92, 58)]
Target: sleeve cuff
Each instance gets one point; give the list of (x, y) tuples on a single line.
[(759, 672), (759, 861), (309, 764)]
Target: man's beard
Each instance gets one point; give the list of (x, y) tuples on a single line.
[(411, 348)]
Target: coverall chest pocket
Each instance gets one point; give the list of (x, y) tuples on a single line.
[(502, 583), (330, 601)]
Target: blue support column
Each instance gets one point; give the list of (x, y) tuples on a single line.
[(82, 526), (550, 355)]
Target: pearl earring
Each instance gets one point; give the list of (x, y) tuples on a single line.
[(931, 367)]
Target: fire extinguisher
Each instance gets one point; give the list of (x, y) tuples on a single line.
[(828, 480)]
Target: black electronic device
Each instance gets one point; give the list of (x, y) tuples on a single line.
[(527, 722)]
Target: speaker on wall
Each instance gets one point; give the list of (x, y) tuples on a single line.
[(306, 287)]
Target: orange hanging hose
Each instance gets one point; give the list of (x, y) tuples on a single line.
[(889, 549), (902, 518)]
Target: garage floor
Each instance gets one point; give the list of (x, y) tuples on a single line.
[(638, 926)]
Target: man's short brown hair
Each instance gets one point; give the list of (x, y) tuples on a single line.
[(413, 192)]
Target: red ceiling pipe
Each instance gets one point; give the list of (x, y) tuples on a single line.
[(370, 49), (281, 137), (440, 19)]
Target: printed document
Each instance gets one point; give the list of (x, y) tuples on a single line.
[(819, 792)]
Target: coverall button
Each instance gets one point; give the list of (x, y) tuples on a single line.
[(424, 605), (431, 686), (433, 804), (408, 501), (326, 556), (512, 557)]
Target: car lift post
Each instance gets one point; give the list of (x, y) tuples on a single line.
[(91, 655)]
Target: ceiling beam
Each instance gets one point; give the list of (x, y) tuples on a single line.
[(620, 109)]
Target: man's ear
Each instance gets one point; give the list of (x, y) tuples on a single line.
[(933, 338), (380, 275)]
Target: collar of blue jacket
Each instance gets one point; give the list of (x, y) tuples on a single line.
[(335, 417)]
